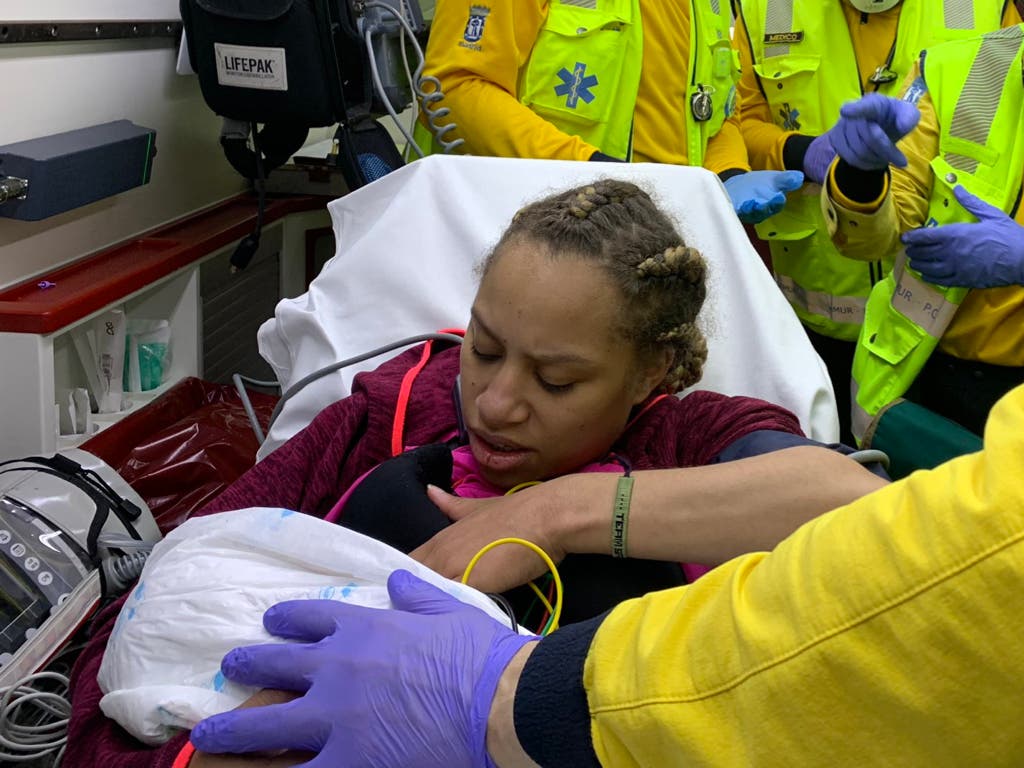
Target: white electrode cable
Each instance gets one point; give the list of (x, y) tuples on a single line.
[(375, 74)]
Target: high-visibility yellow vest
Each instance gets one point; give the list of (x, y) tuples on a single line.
[(978, 94), (804, 59), (584, 72)]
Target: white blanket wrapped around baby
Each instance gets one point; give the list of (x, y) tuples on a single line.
[(203, 592)]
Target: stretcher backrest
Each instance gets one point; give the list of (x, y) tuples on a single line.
[(407, 245)]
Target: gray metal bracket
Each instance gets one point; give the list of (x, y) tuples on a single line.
[(13, 32)]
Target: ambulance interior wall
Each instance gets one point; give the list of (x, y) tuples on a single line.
[(48, 88)]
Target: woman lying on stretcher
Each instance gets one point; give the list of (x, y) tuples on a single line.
[(583, 327), (581, 332)]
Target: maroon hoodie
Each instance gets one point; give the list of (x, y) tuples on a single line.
[(311, 471)]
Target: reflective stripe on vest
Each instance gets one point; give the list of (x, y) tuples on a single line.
[(839, 309), (981, 145), (860, 419), (976, 109)]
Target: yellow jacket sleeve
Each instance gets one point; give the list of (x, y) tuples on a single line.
[(884, 629), (863, 230), (479, 82), (885, 632), (726, 150)]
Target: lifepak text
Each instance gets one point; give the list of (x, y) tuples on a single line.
[(242, 64)]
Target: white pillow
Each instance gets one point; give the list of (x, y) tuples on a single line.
[(408, 243)]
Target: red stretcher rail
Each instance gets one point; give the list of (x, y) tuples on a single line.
[(76, 290)]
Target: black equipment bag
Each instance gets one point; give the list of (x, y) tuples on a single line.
[(277, 61)]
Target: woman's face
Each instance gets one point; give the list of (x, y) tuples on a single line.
[(547, 380)]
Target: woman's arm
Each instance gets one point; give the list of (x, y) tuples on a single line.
[(698, 514)]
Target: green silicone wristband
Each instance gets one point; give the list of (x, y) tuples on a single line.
[(620, 516)]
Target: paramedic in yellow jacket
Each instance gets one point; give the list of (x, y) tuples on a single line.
[(947, 328), (639, 80), (800, 63), (886, 632)]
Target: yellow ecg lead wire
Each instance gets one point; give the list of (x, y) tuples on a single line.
[(556, 612)]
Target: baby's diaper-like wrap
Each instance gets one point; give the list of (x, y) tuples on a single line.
[(203, 592)]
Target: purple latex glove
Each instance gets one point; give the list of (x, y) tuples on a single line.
[(756, 195), (865, 136), (406, 687), (819, 156), (986, 254)]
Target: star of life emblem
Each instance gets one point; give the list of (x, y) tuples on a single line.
[(576, 85)]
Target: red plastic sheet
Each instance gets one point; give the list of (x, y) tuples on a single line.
[(185, 447)]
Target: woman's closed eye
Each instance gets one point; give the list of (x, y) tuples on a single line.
[(555, 389), (487, 357)]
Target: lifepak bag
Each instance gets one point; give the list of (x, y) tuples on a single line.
[(289, 65), (71, 531), (273, 61)]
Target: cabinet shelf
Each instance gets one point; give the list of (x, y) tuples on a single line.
[(155, 276)]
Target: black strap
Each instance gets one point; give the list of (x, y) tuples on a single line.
[(104, 497)]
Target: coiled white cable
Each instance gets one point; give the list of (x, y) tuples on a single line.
[(34, 716), (418, 81), (433, 115)]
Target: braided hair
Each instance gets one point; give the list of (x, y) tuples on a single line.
[(662, 280)]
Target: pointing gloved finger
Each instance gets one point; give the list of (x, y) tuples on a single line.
[(907, 116), (412, 594), (258, 729), (309, 620), (976, 205), (895, 116), (865, 108), (881, 145), (287, 667)]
